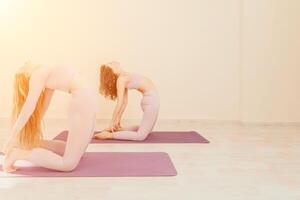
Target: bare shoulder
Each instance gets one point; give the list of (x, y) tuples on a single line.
[(124, 78)]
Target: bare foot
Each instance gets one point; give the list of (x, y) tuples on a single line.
[(104, 135), (9, 161)]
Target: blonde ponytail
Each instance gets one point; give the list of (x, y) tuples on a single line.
[(31, 134)]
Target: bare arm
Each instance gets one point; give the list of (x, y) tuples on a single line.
[(36, 86), (121, 88), (48, 96)]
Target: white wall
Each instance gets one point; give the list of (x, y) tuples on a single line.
[(191, 49), (270, 61)]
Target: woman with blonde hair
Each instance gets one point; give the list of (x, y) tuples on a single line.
[(114, 84), (33, 89)]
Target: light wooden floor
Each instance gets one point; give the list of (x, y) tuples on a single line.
[(261, 162)]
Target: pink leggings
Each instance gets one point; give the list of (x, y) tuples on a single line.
[(65, 156), (150, 107)]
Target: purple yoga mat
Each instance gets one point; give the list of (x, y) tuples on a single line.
[(154, 137), (105, 164)]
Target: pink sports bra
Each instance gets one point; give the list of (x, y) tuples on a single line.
[(135, 81)]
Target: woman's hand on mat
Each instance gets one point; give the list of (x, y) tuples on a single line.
[(118, 126), (114, 126), (107, 129)]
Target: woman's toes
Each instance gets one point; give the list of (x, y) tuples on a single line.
[(103, 135), (96, 136), (10, 169)]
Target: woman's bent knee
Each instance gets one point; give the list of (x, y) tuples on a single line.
[(69, 165), (141, 136)]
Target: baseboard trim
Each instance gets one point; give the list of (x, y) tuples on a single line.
[(273, 124), (5, 122)]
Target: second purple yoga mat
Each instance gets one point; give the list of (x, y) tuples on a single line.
[(154, 137), (105, 164)]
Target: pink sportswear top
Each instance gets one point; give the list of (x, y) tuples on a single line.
[(135, 81), (48, 80)]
